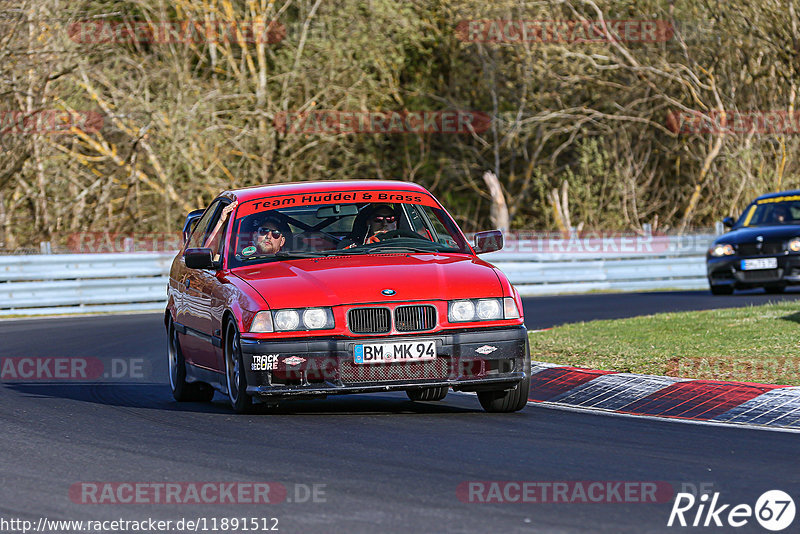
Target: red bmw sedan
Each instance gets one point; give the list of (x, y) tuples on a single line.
[(309, 289)]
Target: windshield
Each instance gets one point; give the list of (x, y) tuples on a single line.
[(306, 226), (773, 211)]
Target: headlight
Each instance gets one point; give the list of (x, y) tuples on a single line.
[(460, 311), (315, 318), (722, 249), (287, 320), (488, 309), (303, 319), (262, 322), (794, 244)]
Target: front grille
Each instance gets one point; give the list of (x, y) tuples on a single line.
[(414, 318), (766, 249), (352, 373), (369, 320), (767, 275)]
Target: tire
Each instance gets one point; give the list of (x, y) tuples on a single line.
[(721, 290), (235, 377), (182, 390), (509, 401), (775, 290), (427, 394), (506, 401)]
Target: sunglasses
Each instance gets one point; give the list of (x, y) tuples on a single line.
[(388, 219), (276, 234)]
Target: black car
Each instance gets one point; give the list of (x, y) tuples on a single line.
[(761, 250)]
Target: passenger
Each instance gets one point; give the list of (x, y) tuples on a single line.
[(381, 220), (373, 221)]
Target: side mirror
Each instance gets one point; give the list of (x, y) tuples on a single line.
[(488, 241), (191, 220), (198, 258), (729, 222)]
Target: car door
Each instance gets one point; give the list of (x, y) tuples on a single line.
[(195, 314), (213, 292)]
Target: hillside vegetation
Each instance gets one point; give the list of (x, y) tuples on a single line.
[(581, 133)]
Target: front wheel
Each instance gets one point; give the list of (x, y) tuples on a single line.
[(427, 394), (240, 401), (721, 290), (506, 401)]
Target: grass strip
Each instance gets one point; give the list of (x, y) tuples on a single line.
[(753, 344)]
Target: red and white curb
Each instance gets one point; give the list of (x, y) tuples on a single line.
[(745, 403)]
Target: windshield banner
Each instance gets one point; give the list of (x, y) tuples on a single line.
[(346, 197)]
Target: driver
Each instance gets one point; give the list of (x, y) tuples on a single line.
[(269, 235), (780, 214)]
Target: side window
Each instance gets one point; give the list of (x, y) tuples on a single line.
[(215, 242), (441, 234), (202, 227)]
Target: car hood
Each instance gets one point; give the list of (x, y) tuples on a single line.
[(768, 233), (360, 279)]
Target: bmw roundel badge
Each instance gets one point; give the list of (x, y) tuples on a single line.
[(388, 292)]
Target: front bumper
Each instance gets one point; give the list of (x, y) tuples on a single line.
[(467, 360), (726, 271)]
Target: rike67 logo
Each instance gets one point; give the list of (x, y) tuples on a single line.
[(774, 510)]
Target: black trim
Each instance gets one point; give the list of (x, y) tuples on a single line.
[(187, 330), (508, 359)]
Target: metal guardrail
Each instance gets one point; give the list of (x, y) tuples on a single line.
[(82, 283), (86, 283), (547, 266)]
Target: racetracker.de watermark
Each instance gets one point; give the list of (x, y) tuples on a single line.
[(195, 492), (564, 31), (776, 122), (565, 491), (384, 368), (382, 122), (175, 31), (764, 370), (601, 242), (109, 242), (48, 121), (74, 369)]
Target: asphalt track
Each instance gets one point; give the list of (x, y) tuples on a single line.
[(387, 464)]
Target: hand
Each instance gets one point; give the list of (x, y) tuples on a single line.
[(229, 208)]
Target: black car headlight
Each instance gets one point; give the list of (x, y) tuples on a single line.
[(289, 320), (721, 249), (794, 244), (461, 311)]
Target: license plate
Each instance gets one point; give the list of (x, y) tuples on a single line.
[(408, 351), (759, 263)]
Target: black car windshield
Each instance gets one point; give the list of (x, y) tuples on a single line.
[(267, 230), (773, 211)]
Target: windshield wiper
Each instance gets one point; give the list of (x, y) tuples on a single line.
[(279, 256), (399, 248)]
